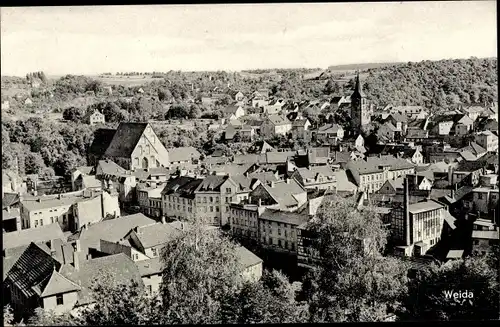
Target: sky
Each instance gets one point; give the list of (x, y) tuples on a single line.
[(98, 39)]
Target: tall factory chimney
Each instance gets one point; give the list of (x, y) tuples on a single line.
[(406, 214)]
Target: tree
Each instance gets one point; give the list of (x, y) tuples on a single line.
[(34, 163), (73, 114), (270, 300), (430, 291), (201, 271), (352, 282), (164, 94), (8, 316)]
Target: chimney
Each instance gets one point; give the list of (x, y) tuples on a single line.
[(76, 261), (52, 249), (288, 180), (8, 209), (163, 220), (260, 202), (407, 223), (273, 184)]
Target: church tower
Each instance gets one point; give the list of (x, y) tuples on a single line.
[(360, 113)]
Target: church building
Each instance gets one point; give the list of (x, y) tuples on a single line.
[(360, 110)]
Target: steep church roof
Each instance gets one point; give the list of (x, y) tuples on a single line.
[(125, 139), (358, 90)]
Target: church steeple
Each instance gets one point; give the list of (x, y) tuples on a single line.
[(358, 90)]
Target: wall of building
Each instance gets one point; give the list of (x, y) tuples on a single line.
[(253, 273), (88, 211), (152, 282), (60, 214), (69, 301), (110, 204)]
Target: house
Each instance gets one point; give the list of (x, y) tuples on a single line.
[(487, 140), (111, 230), (132, 146), (329, 133), (415, 134), (259, 100), (261, 147), (483, 240), (79, 171), (316, 177), (87, 182), (245, 132), (233, 112), (236, 95), (400, 121), (485, 200), (274, 106), (183, 155), (472, 111), (371, 173), (412, 112), (150, 239), (459, 124), (487, 124), (388, 132), (286, 195), (95, 117), (251, 264), (300, 126), (149, 198), (472, 152), (275, 125)]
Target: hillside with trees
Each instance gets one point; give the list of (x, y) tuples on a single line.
[(434, 84)]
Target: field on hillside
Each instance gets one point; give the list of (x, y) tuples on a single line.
[(126, 80)]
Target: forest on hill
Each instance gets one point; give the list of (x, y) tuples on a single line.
[(434, 84)]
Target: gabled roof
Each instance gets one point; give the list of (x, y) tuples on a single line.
[(32, 267), (231, 169), (300, 122), (231, 109), (283, 192), (398, 117), (120, 266), (102, 140), (155, 234), (250, 158), (358, 90), (416, 133), (124, 141), (247, 258), (29, 235), (373, 164), (278, 120), (343, 184), (278, 157), (55, 283), (424, 206), (9, 199), (330, 128), (211, 183), (109, 167), (185, 153), (150, 267), (183, 185), (111, 230)]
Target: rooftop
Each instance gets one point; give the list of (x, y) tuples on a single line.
[(155, 234), (27, 236), (246, 257), (424, 206), (125, 139), (292, 218)]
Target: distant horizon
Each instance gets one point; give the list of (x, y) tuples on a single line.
[(242, 70), (91, 40)]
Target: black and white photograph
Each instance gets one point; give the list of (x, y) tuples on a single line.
[(253, 163)]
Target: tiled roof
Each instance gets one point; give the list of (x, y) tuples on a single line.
[(211, 183), (109, 167), (102, 140), (120, 266), (185, 153), (55, 283), (264, 177), (90, 182), (278, 120), (26, 236), (285, 217), (9, 199), (184, 185), (278, 157), (86, 170), (231, 109), (150, 267), (111, 230), (312, 172), (372, 164), (283, 192), (231, 169), (32, 267), (125, 139), (250, 158), (455, 254), (155, 234), (51, 201), (398, 117), (299, 122), (246, 257), (329, 128), (343, 184)]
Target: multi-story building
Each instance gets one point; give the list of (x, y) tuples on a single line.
[(245, 220), (485, 199), (417, 227), (487, 140), (371, 173), (178, 198), (275, 125), (149, 198), (278, 229), (95, 117), (316, 177)]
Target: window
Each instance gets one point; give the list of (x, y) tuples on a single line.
[(480, 196), (204, 199), (136, 256), (154, 252), (36, 223), (150, 290), (139, 149), (59, 299), (217, 209), (211, 209), (279, 243), (51, 220), (136, 161), (211, 199), (228, 190)]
